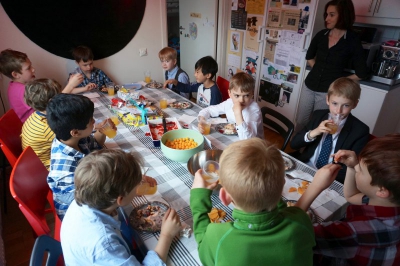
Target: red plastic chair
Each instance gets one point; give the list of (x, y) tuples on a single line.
[(10, 143), (223, 86), (29, 188)]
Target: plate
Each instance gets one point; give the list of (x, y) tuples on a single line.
[(221, 129), (132, 86), (289, 163), (148, 217), (309, 212), (154, 85), (181, 105)]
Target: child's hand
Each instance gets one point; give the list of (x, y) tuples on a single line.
[(170, 81), (75, 80), (171, 224), (349, 158), (237, 108), (100, 125), (152, 182), (322, 128), (199, 181), (90, 86), (324, 177)]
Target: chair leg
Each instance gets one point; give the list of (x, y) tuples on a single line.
[(4, 184)]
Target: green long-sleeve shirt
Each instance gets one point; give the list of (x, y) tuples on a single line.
[(283, 236)]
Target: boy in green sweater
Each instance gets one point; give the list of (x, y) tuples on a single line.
[(264, 231)]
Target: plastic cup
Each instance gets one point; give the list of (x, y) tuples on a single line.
[(147, 76), (206, 126), (163, 103), (210, 171), (333, 126), (144, 188), (115, 120), (110, 88), (108, 130)]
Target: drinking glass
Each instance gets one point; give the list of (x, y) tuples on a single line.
[(206, 126), (147, 76), (333, 126), (163, 103), (108, 130)]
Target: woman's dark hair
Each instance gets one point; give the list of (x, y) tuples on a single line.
[(345, 9)]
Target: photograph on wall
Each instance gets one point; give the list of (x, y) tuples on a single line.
[(270, 92), (235, 41), (269, 51), (292, 77), (274, 18), (234, 56), (272, 34), (290, 19), (253, 26), (303, 23), (231, 70), (255, 7)]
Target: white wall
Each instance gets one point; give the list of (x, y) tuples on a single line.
[(123, 67)]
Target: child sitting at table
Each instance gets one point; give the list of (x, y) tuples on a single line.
[(35, 130), (352, 134), (70, 116), (369, 233), (207, 90), (93, 77), (104, 181), (264, 230), (240, 109), (168, 57)]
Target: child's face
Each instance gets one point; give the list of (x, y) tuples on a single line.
[(27, 73), (340, 105), (363, 179), (244, 98), (200, 77), (168, 64), (86, 67)]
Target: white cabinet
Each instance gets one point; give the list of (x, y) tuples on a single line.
[(383, 12)]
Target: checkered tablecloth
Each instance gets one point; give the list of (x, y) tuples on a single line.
[(173, 178)]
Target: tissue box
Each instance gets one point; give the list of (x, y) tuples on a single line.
[(156, 128)]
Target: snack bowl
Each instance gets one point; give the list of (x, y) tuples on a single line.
[(198, 160), (181, 155)]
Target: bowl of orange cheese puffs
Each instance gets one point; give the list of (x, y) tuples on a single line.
[(181, 144)]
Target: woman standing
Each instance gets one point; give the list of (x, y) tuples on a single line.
[(330, 52)]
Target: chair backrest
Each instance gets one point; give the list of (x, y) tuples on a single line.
[(46, 244), (287, 132), (223, 86), (10, 140), (29, 188)]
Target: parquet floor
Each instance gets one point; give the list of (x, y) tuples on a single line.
[(17, 233)]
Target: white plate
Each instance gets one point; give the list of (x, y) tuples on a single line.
[(154, 85), (181, 105), (289, 163), (221, 129), (132, 86)]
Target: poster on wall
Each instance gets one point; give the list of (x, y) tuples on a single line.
[(253, 26), (250, 66), (231, 70), (304, 16), (255, 7), (234, 48), (239, 16), (274, 18), (278, 95), (269, 52), (290, 19)]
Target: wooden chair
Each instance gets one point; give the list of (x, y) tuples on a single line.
[(10, 143), (29, 188), (223, 86), (46, 244), (284, 127)]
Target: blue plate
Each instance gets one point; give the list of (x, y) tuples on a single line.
[(132, 86)]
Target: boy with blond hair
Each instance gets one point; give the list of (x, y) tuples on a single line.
[(35, 131), (264, 230), (316, 138), (104, 181), (369, 233), (206, 89), (168, 57), (240, 109)]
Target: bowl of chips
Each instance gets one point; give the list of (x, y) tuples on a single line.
[(179, 145)]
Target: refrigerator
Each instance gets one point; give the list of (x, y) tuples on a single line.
[(269, 39)]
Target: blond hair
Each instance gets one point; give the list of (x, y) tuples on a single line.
[(104, 175), (345, 87), (243, 82), (39, 92), (168, 53), (252, 172)]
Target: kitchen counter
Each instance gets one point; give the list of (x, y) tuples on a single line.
[(379, 85)]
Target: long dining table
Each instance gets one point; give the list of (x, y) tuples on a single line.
[(174, 180)]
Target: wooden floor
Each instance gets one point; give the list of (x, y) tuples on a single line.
[(17, 233)]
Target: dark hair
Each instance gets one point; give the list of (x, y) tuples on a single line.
[(11, 61), (104, 175), (39, 92), (66, 112), (345, 9), (208, 65), (82, 53), (382, 158)]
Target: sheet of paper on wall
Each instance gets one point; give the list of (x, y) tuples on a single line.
[(272, 35), (255, 7), (234, 60), (291, 38), (274, 18), (274, 73), (252, 31), (269, 52), (230, 71), (291, 18), (282, 53)]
